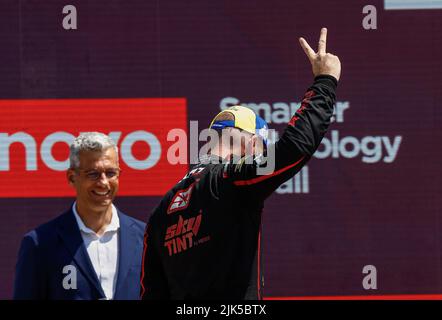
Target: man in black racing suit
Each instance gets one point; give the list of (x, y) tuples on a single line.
[(203, 241)]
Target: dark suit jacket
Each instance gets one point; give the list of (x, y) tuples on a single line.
[(45, 251)]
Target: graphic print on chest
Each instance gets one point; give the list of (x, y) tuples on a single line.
[(181, 199)]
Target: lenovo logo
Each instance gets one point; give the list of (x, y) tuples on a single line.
[(45, 150), (35, 136)]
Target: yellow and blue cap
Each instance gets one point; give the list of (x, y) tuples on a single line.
[(244, 119)]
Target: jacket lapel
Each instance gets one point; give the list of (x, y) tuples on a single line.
[(70, 234), (127, 250)]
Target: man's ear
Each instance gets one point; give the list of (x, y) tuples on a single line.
[(258, 147), (70, 175)]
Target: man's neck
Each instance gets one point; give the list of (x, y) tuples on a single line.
[(223, 153), (96, 220)]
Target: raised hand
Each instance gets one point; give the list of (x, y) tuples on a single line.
[(322, 62)]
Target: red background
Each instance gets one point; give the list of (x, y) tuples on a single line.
[(40, 118)]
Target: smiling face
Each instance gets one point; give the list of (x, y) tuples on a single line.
[(96, 179)]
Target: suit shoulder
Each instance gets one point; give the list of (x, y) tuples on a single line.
[(46, 231), (138, 224)]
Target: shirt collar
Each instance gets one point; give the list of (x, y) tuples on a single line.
[(114, 225)]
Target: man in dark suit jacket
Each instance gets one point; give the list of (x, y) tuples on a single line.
[(93, 250)]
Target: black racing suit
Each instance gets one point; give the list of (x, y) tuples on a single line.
[(203, 241)]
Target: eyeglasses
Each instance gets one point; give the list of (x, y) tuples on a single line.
[(94, 175)]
